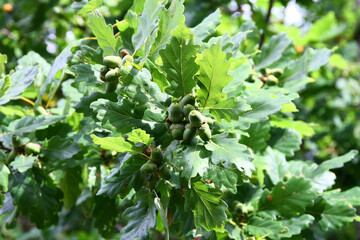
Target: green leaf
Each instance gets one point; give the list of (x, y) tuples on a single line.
[(350, 196), (294, 226), (59, 63), (276, 165), (104, 34), (272, 52), (207, 27), (337, 162), (37, 197), (169, 19), (3, 60), (239, 74), (105, 214), (213, 77), (228, 151), (157, 75), (289, 198), (23, 163), (179, 62), (147, 22), (5, 84), (192, 162), (58, 149), (118, 144), (259, 133), (30, 124), (286, 141), (141, 217), (70, 185), (4, 178), (123, 179), (262, 105), (318, 58), (229, 109), (140, 136), (206, 203), (163, 214), (20, 80), (263, 226), (226, 177), (305, 129), (83, 106), (85, 73), (90, 6), (333, 217)]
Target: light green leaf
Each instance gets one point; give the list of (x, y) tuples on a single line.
[(207, 27), (350, 196), (208, 208), (192, 163), (117, 144), (229, 109), (4, 178), (23, 163), (3, 60), (277, 166), (70, 184), (158, 76), (179, 62), (104, 34), (317, 58), (272, 51), (294, 226), (337, 162), (213, 77), (90, 6), (5, 84), (140, 136), (290, 197), (239, 74), (286, 141), (147, 22), (20, 80), (169, 19), (305, 129), (141, 217), (228, 151), (163, 214)]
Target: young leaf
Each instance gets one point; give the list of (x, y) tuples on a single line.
[(118, 144), (213, 77), (104, 34), (147, 23), (208, 208), (140, 136), (179, 62), (169, 19), (141, 217), (289, 198), (228, 151)]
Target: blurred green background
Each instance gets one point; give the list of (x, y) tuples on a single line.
[(331, 102)]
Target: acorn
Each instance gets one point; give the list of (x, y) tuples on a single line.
[(32, 149), (175, 113), (111, 87), (177, 130), (112, 61), (189, 133), (188, 99), (148, 168), (164, 172), (204, 132), (152, 182), (103, 71), (195, 118), (112, 75), (186, 110), (156, 156)]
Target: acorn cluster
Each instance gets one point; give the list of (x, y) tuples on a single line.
[(155, 168), (186, 122), (112, 70), (30, 149)]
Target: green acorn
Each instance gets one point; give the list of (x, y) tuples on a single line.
[(16, 141), (112, 75), (164, 172), (127, 58), (112, 61), (177, 130), (148, 168), (32, 149), (103, 71), (156, 156), (187, 109), (175, 113), (204, 132), (152, 182), (209, 121), (188, 99), (111, 87), (189, 133), (195, 118)]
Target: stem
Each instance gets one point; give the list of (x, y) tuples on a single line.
[(175, 166), (267, 20), (57, 87), (28, 101)]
